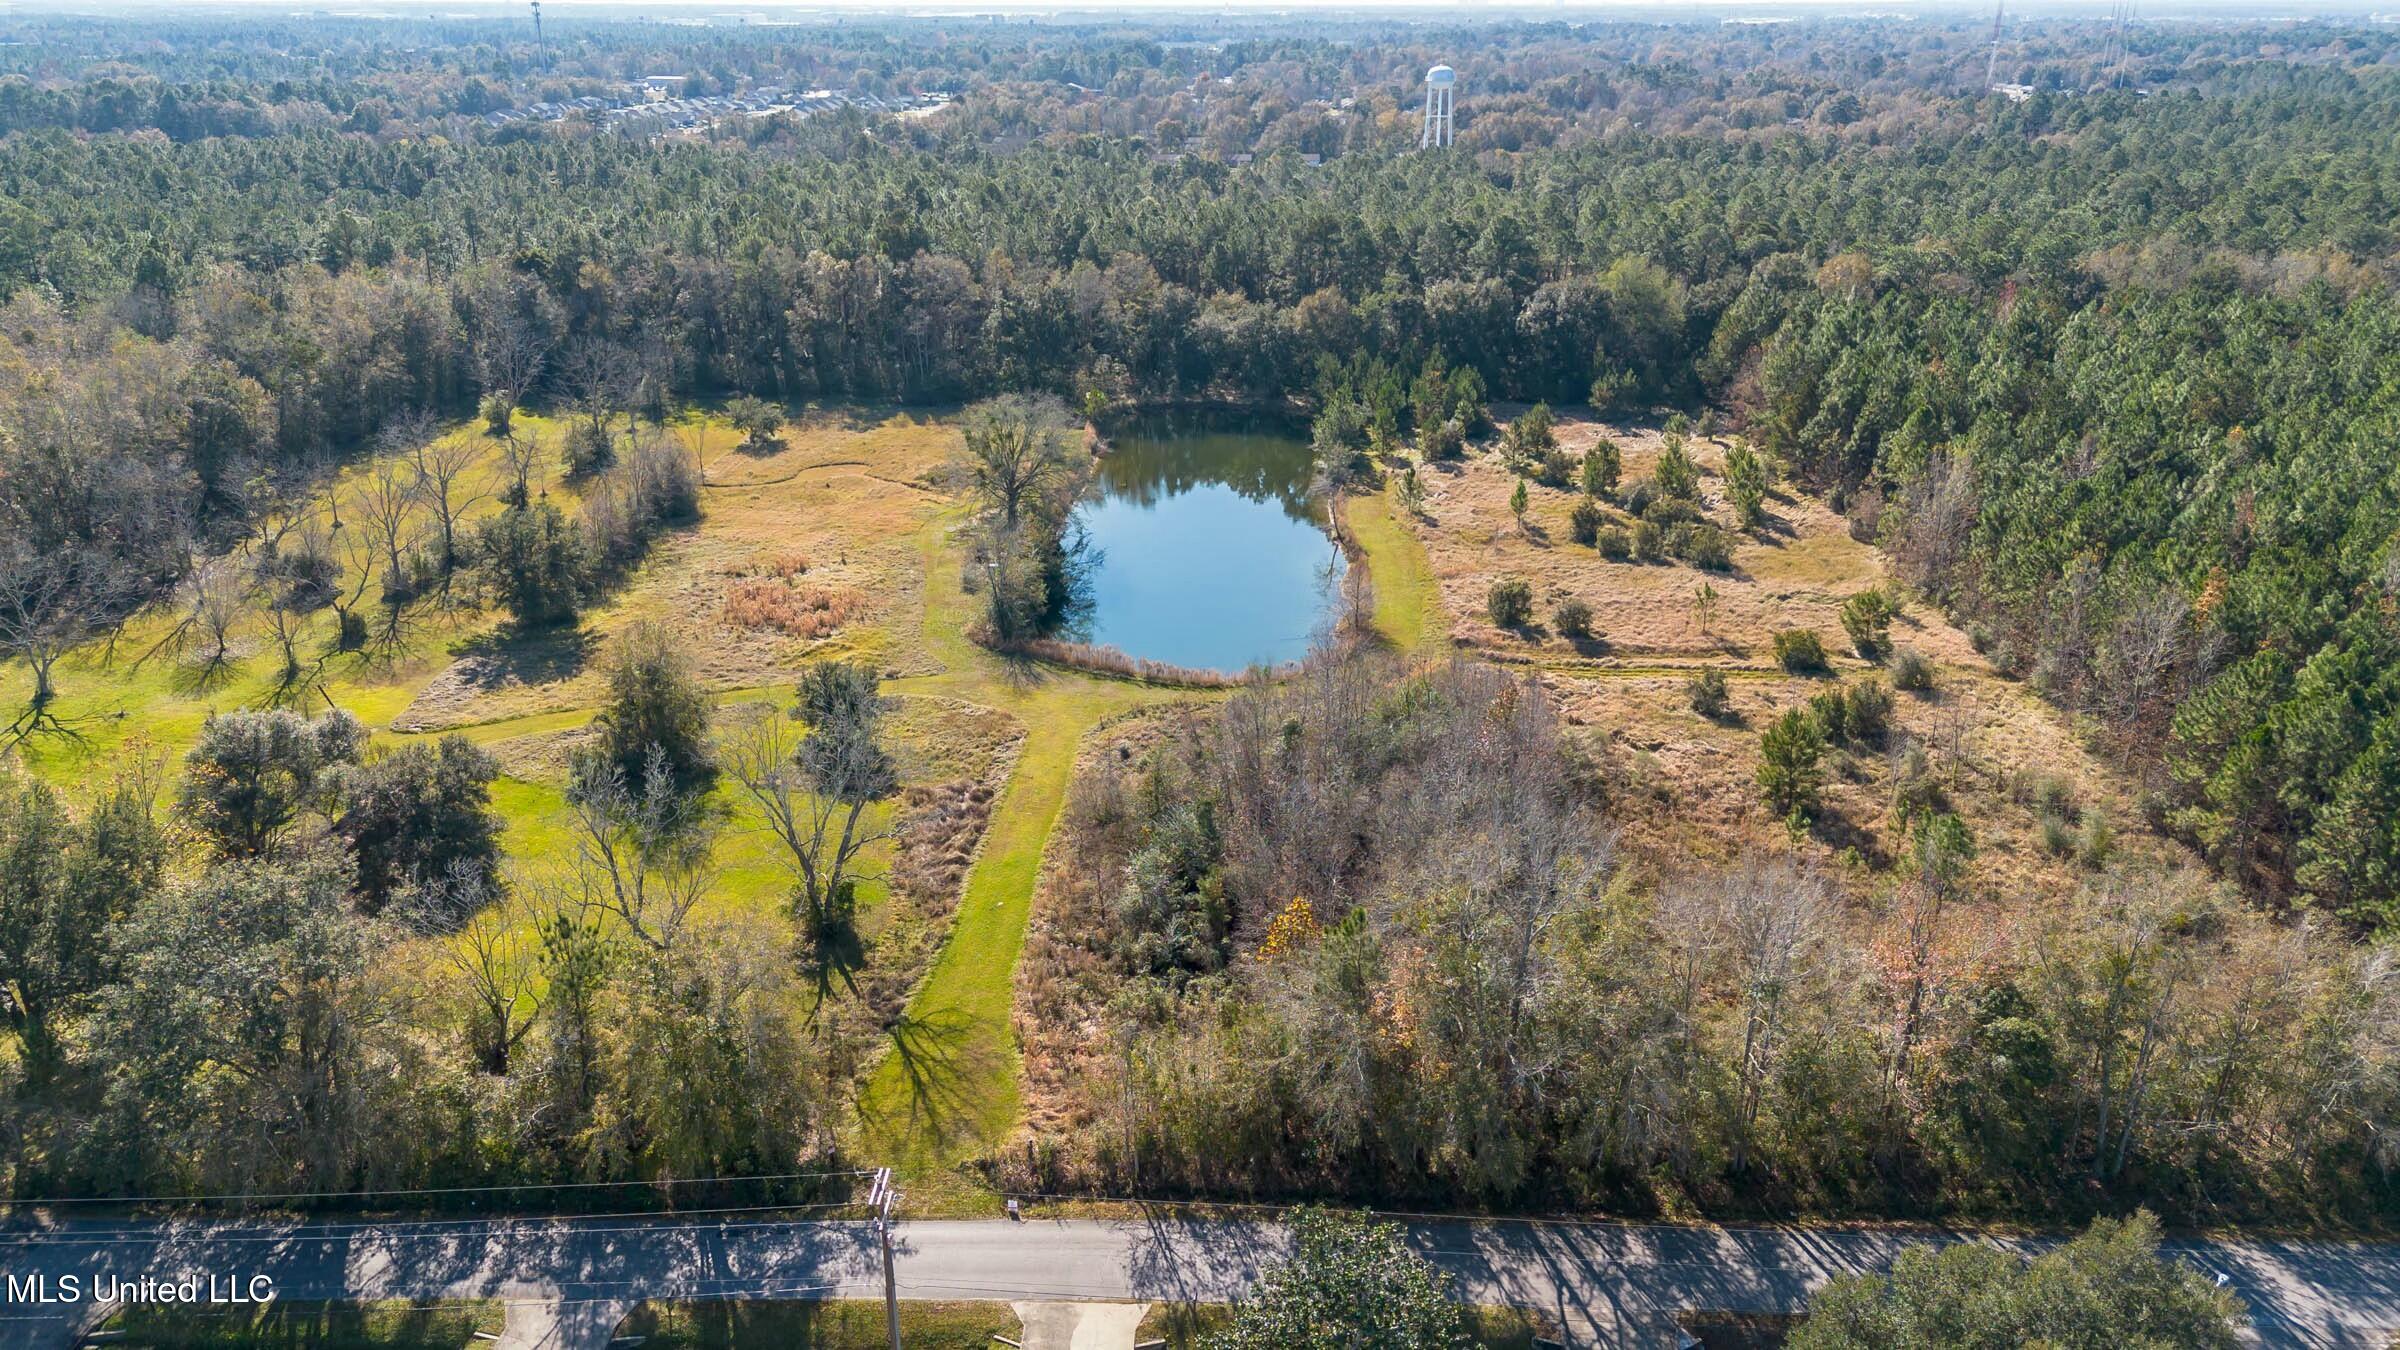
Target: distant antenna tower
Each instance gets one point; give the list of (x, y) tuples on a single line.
[(1441, 92), (539, 51), (1991, 66)]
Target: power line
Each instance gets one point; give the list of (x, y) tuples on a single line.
[(48, 1201), (332, 1229)]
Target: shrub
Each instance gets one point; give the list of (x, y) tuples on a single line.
[(1788, 772), (533, 561), (2058, 837), (1583, 523), (1649, 541), (2109, 1287), (759, 422), (1611, 386), (656, 705), (1867, 618), (1677, 476), (1710, 692), (499, 410), (1746, 483), (1638, 497), (1830, 709), (2099, 841), (1800, 651), (1557, 468), (1911, 670), (1349, 1282), (657, 485), (589, 446), (254, 773), (1531, 436), (1709, 549), (1614, 544), (1573, 618), (2050, 795), (1869, 705), (1668, 512), (1510, 603), (420, 825), (1601, 464), (1444, 440), (1915, 792)]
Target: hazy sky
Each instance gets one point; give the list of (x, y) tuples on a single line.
[(735, 10)]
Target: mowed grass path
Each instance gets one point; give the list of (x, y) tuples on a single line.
[(947, 1089), (1408, 597)]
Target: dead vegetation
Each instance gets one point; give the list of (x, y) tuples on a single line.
[(1685, 783), (807, 552)]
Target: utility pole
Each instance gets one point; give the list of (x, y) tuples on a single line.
[(880, 1199)]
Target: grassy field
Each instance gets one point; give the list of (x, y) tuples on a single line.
[(947, 1087), (834, 1324), (845, 510), (2000, 749)]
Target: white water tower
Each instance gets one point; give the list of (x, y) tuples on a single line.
[(1441, 91)]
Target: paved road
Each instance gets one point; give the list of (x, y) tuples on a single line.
[(1608, 1284)]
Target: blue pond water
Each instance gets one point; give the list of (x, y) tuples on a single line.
[(1210, 552)]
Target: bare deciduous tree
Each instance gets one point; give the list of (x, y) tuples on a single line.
[(814, 792), (49, 602), (1766, 923), (442, 466), (640, 853), (388, 510), (495, 963)]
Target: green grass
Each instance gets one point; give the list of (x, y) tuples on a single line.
[(947, 1089), (950, 1089), (307, 1326), (1408, 599), (835, 1324)]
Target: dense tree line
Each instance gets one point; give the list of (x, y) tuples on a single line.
[(208, 1003), (1362, 935), (2108, 372), (2113, 376)]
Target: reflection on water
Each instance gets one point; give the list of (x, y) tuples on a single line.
[(1207, 549)]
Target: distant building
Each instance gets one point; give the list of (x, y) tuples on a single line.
[(660, 88), (2014, 93)]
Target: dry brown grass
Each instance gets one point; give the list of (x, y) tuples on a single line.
[(840, 504), (796, 611), (1111, 661), (1686, 785)]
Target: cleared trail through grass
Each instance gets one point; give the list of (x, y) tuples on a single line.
[(947, 1088), (1408, 598)]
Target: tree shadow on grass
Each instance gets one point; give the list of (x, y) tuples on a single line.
[(940, 1059), (512, 656)]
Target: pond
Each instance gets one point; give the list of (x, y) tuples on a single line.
[(1207, 549)]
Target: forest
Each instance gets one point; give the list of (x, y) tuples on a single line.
[(2110, 372)]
